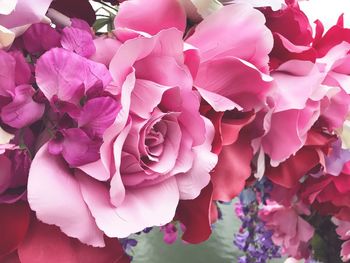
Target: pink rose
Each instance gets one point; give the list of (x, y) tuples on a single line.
[(160, 145), (157, 151)]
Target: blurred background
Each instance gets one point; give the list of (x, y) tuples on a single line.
[(218, 249)]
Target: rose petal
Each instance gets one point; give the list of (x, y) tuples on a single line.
[(52, 189), (242, 33), (192, 182), (218, 75), (145, 207), (160, 14)]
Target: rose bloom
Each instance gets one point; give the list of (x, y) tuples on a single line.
[(157, 151)]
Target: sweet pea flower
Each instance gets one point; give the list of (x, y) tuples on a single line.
[(290, 231), (343, 230), (17, 107)]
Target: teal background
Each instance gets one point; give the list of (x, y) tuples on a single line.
[(218, 249)]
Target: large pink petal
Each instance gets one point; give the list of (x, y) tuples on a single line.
[(291, 127), (22, 111), (166, 44), (117, 189), (159, 14), (55, 196), (118, 126), (145, 97), (150, 206), (297, 81), (97, 170), (153, 68), (239, 31), (105, 49), (236, 80), (192, 182), (25, 13), (63, 73)]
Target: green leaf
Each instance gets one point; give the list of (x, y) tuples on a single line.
[(101, 23)]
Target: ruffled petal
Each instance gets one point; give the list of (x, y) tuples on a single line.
[(239, 31), (63, 74), (55, 196), (22, 111), (159, 14), (149, 206)]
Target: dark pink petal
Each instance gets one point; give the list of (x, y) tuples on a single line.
[(81, 24), (14, 222), (41, 37), (195, 215), (78, 40), (45, 243), (55, 196), (23, 72), (78, 149), (7, 73), (98, 114), (62, 73), (239, 31), (22, 111), (5, 173), (229, 177), (159, 14)]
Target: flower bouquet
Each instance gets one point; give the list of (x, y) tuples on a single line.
[(124, 117)]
